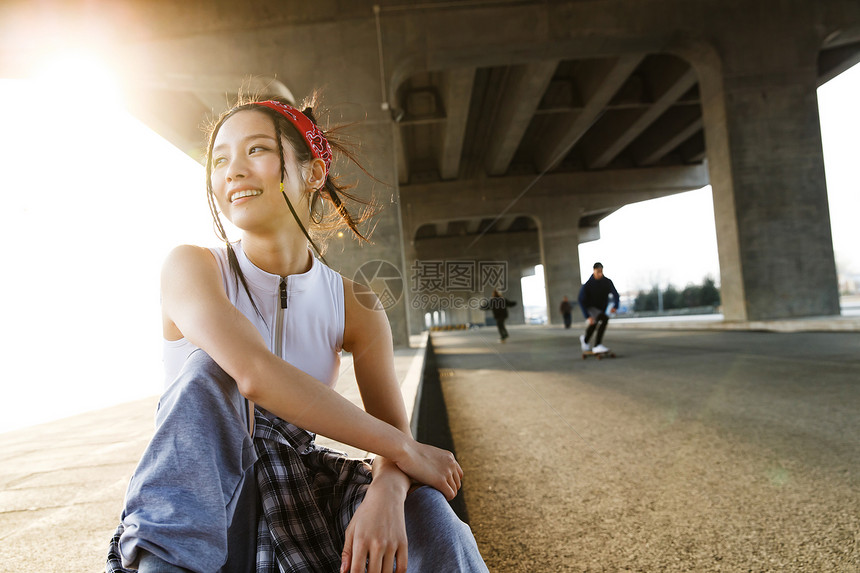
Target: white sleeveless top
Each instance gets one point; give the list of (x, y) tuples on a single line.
[(302, 316)]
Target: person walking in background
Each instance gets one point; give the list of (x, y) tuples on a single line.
[(593, 299), (566, 310), (499, 306)]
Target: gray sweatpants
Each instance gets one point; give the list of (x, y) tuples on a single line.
[(192, 501)]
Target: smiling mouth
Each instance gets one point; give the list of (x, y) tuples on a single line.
[(245, 193)]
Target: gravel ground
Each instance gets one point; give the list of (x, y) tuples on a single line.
[(705, 451)]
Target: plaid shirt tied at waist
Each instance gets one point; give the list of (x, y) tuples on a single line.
[(308, 495)]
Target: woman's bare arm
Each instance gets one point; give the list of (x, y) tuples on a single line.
[(367, 336), (193, 299)]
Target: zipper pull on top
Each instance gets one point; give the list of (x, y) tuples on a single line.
[(283, 291)]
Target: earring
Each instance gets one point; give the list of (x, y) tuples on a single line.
[(316, 207)]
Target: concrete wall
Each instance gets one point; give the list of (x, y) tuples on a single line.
[(515, 251)]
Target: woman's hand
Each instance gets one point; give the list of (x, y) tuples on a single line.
[(376, 535), (432, 466)]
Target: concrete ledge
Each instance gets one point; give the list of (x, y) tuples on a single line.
[(413, 383), (430, 421)]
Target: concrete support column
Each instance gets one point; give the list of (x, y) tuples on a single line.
[(349, 257), (414, 310), (460, 316), (516, 314), (559, 248), (767, 172)]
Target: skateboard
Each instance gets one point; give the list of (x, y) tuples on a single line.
[(599, 355)]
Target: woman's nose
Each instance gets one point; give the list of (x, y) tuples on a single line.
[(236, 169)]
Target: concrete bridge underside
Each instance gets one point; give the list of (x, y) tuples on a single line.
[(559, 112)]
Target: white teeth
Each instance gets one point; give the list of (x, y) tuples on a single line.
[(245, 193)]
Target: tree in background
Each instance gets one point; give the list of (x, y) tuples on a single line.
[(705, 294), (646, 301), (672, 298)]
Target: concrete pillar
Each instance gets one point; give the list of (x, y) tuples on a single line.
[(414, 309), (516, 314), (387, 242), (767, 172), (559, 247), (459, 316)]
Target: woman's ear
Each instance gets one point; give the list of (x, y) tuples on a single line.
[(316, 173)]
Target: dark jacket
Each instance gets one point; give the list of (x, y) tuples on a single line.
[(595, 293), (498, 305)]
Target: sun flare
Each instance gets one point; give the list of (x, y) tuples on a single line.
[(80, 76)]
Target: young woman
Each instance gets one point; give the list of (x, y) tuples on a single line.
[(232, 480)]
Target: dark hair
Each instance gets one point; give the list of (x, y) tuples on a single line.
[(598, 266), (332, 191)]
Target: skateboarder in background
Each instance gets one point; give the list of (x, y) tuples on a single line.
[(593, 299)]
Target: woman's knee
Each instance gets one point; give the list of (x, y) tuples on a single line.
[(201, 369), (438, 540), (203, 393), (429, 514), (202, 380)]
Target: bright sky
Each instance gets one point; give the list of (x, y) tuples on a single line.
[(672, 239), (94, 201)]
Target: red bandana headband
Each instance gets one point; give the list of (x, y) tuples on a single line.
[(311, 132)]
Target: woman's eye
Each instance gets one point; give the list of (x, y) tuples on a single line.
[(218, 161), (256, 148)]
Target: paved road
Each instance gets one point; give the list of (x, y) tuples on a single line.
[(690, 451)]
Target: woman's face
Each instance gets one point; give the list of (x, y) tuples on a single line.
[(246, 173)]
